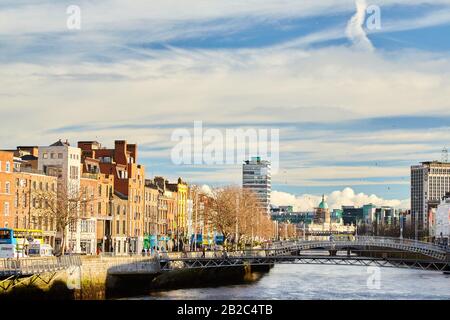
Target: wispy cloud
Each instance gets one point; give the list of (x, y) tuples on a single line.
[(347, 117)]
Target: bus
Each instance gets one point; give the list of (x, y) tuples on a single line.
[(7, 236), (8, 244), (26, 236)]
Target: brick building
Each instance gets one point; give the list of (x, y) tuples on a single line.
[(129, 181), (7, 189)]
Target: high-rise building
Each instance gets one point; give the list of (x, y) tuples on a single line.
[(256, 176), (429, 183)]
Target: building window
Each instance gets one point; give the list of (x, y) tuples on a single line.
[(74, 172), (60, 155), (52, 156), (6, 208), (118, 227), (7, 187), (45, 155), (8, 166), (123, 227), (16, 200)]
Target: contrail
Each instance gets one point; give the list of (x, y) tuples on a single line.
[(355, 31)]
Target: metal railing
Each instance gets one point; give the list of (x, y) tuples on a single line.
[(287, 247), (29, 266)]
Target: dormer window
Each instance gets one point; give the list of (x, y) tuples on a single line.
[(105, 159)]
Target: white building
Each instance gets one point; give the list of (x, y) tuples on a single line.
[(63, 161), (430, 181), (256, 176), (441, 225)]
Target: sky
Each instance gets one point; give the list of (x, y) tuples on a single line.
[(359, 90)]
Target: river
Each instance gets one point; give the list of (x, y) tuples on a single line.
[(303, 282)]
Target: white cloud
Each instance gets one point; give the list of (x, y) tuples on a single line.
[(335, 200), (264, 85)]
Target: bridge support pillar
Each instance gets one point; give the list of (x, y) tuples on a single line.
[(447, 269)]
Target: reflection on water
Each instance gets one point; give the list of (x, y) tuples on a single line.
[(326, 282)]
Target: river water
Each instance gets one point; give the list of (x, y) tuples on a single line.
[(303, 282)]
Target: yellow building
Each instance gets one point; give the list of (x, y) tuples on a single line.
[(181, 188)]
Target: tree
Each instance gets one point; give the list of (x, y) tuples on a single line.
[(64, 207), (232, 208)]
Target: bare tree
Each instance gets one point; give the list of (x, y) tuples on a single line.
[(232, 208), (63, 206)]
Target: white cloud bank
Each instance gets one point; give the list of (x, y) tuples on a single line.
[(335, 200)]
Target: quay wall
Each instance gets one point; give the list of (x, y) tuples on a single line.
[(91, 281), (101, 278)]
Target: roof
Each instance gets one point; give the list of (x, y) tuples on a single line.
[(59, 143)]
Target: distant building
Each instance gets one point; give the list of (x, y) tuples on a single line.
[(322, 213), (430, 181), (441, 222), (256, 176), (281, 210)]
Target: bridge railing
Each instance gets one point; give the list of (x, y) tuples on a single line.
[(408, 242), (25, 266), (376, 240)]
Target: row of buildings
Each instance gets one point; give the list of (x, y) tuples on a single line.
[(119, 210), (427, 219)]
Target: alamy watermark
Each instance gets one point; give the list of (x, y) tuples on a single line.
[(74, 19), (374, 279), (224, 147), (74, 278), (373, 20)]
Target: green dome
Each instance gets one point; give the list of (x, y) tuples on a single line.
[(323, 204)]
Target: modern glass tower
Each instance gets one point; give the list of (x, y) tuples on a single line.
[(256, 176)]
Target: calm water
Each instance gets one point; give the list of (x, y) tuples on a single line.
[(326, 282)]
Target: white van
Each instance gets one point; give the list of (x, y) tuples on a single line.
[(8, 251), (37, 249)]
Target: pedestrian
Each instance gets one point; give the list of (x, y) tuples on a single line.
[(203, 252)]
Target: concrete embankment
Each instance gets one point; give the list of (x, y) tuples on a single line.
[(208, 277), (101, 278), (92, 280)]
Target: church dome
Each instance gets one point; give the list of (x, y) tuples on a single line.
[(323, 204)]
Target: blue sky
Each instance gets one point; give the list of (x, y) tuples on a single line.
[(355, 106)]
